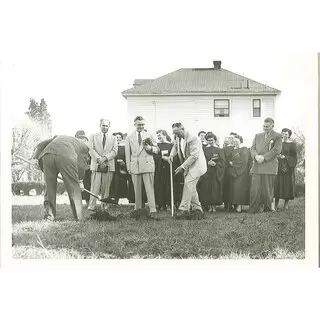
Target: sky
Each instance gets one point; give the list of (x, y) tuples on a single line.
[(80, 57)]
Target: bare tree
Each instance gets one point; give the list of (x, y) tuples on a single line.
[(25, 136), (299, 138)]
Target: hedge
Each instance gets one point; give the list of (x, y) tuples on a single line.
[(39, 186)]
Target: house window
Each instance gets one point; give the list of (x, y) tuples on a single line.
[(256, 107), (221, 108)]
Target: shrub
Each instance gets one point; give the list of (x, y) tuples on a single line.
[(300, 190), (39, 186), (300, 175)]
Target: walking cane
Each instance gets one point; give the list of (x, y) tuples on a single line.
[(171, 184)]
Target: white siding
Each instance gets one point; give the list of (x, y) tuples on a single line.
[(268, 107), (144, 108), (196, 113)]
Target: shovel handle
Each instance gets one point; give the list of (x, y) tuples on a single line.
[(171, 184), (59, 177), (92, 194)]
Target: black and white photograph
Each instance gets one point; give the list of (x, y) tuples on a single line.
[(159, 160), (198, 159)]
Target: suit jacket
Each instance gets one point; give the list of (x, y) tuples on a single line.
[(40, 147), (269, 148), (138, 160), (195, 162), (110, 150), (71, 148)]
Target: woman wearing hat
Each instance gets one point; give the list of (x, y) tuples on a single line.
[(285, 179), (238, 172)]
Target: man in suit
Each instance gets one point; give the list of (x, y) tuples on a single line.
[(265, 148), (68, 156), (103, 149), (140, 147), (194, 165)]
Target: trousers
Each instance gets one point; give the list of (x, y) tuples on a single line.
[(261, 192), (148, 180), (190, 195), (100, 183), (52, 165)]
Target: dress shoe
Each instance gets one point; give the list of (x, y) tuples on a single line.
[(196, 215), (154, 215), (181, 214), (48, 212)]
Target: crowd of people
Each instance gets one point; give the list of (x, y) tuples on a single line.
[(205, 174)]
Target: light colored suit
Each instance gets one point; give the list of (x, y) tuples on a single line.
[(195, 165), (140, 163), (263, 174), (101, 181)]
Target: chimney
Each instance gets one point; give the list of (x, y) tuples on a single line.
[(217, 65)]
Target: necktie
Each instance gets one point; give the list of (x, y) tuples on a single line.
[(180, 149), (139, 138), (104, 140)]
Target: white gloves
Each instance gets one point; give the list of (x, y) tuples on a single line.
[(81, 185), (259, 158)]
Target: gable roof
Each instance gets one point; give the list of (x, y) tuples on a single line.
[(199, 81), (139, 82)]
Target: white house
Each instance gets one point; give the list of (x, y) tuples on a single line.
[(209, 99)]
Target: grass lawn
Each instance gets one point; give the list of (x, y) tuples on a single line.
[(221, 235)]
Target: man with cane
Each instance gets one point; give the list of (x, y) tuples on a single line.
[(194, 165)]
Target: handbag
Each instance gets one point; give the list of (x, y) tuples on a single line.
[(102, 169), (122, 169), (283, 166)]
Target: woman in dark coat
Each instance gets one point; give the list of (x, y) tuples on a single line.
[(162, 171), (285, 179), (227, 149), (239, 173), (211, 183), (119, 184)]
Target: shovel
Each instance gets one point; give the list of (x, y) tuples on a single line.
[(171, 184), (105, 200)]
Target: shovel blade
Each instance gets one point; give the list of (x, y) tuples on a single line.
[(109, 200)]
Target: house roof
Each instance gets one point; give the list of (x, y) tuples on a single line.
[(199, 81), (139, 82)]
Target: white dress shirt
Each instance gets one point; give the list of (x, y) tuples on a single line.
[(183, 146)]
